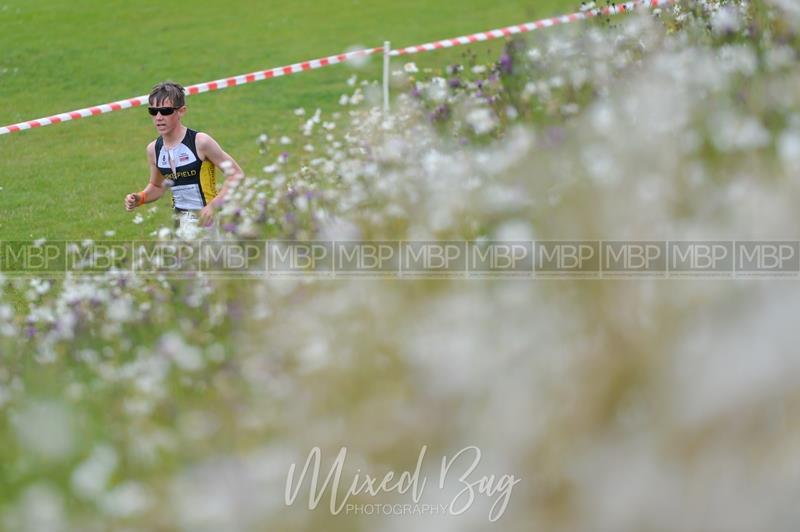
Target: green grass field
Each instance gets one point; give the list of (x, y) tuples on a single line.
[(67, 181)]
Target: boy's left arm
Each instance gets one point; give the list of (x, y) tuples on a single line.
[(208, 148)]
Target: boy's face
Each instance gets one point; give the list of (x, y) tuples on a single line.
[(166, 123)]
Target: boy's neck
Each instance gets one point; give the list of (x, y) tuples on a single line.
[(175, 136)]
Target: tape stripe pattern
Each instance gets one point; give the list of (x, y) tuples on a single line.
[(531, 26)]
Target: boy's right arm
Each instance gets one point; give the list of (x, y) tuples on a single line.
[(153, 190)]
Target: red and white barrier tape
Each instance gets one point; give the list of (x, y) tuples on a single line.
[(531, 26), (193, 89), (335, 59)]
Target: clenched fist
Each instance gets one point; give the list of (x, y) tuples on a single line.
[(132, 201)]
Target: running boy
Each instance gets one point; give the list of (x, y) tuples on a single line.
[(185, 156)]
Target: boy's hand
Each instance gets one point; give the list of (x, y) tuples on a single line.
[(131, 202), (206, 215)]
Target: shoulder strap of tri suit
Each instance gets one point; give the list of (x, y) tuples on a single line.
[(189, 140), (159, 145)]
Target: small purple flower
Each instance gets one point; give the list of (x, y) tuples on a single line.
[(441, 113), (229, 227), (30, 331), (454, 83), (506, 64), (415, 92), (283, 157)]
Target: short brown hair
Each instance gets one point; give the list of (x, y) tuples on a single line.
[(167, 89)]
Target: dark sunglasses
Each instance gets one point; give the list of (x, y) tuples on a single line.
[(165, 111)]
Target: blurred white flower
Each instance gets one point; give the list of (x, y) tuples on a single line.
[(725, 19), (355, 59), (90, 478), (41, 507), (733, 132), (514, 230), (570, 109), (120, 310), (482, 120), (45, 428), (357, 97), (41, 286), (188, 227), (185, 356), (126, 500), (739, 59), (789, 149)]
